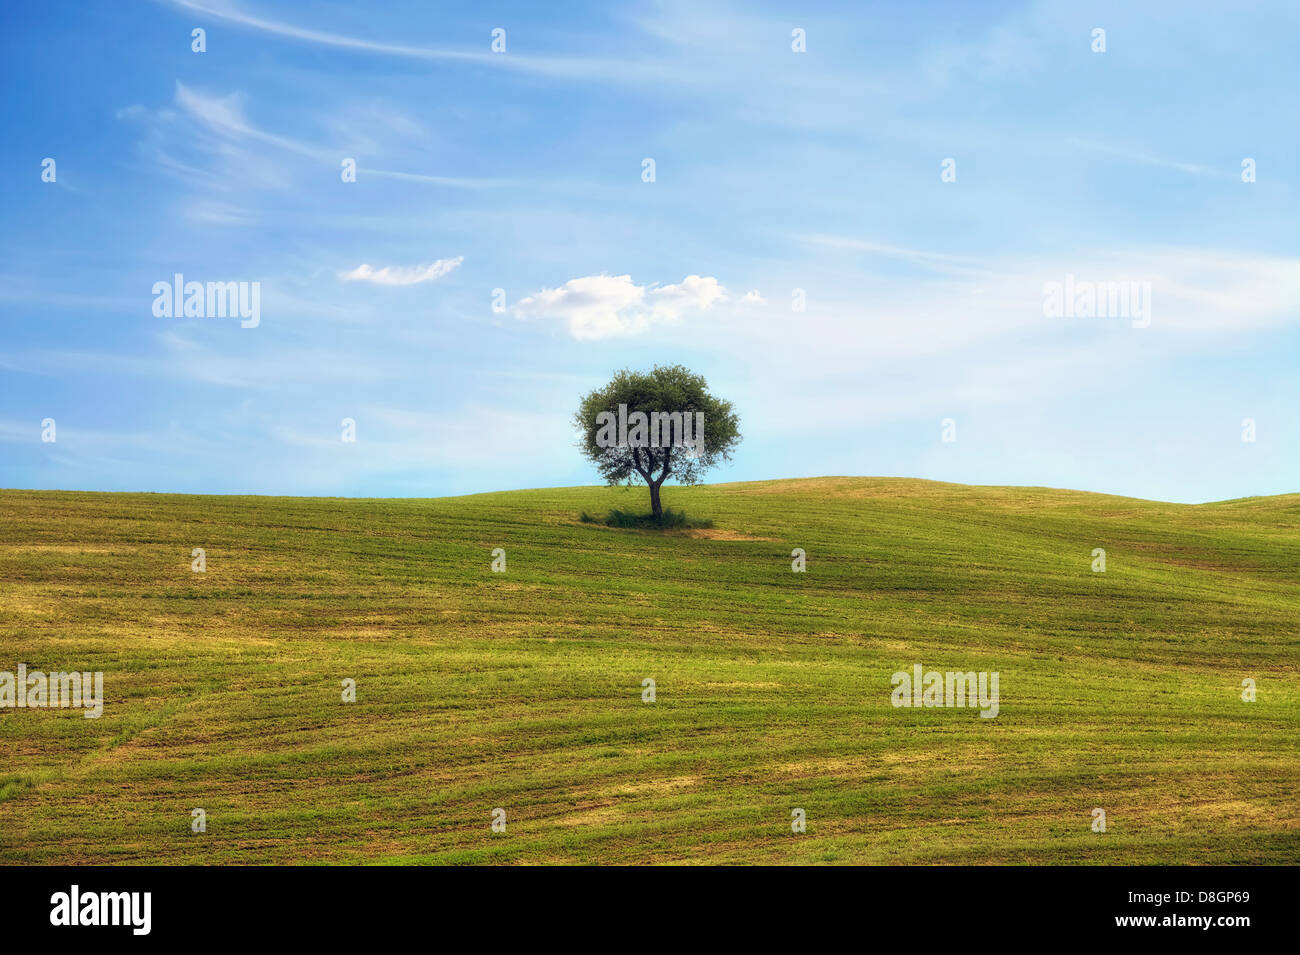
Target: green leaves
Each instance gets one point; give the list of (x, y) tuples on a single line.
[(666, 390)]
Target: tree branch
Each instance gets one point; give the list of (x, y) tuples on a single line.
[(668, 464)]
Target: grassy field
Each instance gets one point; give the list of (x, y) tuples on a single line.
[(523, 689)]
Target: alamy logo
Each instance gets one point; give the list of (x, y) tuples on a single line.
[(1075, 299), (659, 429), (181, 299), (37, 690), (103, 908), (932, 688)]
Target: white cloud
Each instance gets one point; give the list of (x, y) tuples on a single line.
[(212, 212), (1149, 160), (1194, 290), (605, 306), (225, 112), (217, 126), (459, 182), (574, 67), (753, 297), (224, 115), (694, 291), (402, 274)]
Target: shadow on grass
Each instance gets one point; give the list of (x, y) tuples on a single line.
[(668, 520)]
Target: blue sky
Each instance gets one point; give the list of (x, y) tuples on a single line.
[(775, 170)]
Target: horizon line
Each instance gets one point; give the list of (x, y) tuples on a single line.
[(720, 484)]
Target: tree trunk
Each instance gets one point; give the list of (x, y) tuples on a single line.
[(655, 507)]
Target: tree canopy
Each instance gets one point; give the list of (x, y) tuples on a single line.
[(655, 425)]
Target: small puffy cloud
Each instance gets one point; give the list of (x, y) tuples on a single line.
[(605, 306), (693, 291), (402, 274), (595, 306), (752, 297)]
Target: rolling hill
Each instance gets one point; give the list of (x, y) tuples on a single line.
[(523, 689)]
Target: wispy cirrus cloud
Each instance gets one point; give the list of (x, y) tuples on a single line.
[(459, 182), (1148, 160), (225, 115), (402, 274), (228, 136), (1195, 290), (574, 68)]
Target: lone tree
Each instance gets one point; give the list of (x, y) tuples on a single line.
[(657, 424)]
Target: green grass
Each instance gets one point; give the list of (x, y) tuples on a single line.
[(522, 689)]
